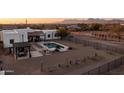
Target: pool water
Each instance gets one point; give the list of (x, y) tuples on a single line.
[(53, 45)]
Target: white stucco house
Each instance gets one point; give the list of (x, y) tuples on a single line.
[(25, 35), (9, 36)]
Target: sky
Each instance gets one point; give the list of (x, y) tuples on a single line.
[(29, 20), (36, 20)]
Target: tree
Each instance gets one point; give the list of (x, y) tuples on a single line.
[(116, 29), (84, 27), (37, 26), (96, 27), (122, 28), (63, 32)]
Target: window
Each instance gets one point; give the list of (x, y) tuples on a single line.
[(48, 35), (22, 38), (11, 41), (56, 35)]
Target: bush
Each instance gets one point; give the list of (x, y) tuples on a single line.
[(63, 32)]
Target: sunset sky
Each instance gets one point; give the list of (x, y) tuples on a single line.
[(37, 20), (30, 20)]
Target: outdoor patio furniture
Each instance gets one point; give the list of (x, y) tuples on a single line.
[(70, 48), (61, 65)]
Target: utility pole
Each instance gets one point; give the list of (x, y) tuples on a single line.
[(26, 21)]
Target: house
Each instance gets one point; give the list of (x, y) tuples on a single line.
[(8, 37), (8, 27), (17, 40), (73, 27)]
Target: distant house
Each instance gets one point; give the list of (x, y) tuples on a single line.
[(73, 27), (9, 27)]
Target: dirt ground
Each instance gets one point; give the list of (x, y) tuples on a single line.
[(57, 63)]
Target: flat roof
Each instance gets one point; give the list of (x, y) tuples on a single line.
[(21, 44), (28, 30), (53, 30), (9, 31), (24, 30), (35, 33)]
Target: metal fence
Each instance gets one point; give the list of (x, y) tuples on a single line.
[(102, 69), (98, 45)]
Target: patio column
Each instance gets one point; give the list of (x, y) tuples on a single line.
[(10, 50), (29, 52), (16, 52)]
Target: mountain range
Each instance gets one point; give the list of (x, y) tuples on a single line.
[(93, 20)]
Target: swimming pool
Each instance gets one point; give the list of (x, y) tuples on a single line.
[(53, 46)]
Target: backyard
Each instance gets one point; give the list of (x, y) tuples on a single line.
[(79, 56)]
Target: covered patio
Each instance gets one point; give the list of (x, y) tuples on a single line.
[(22, 49), (36, 36)]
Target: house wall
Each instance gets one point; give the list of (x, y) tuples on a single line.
[(23, 37), (55, 37), (7, 37), (16, 36), (49, 35)]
